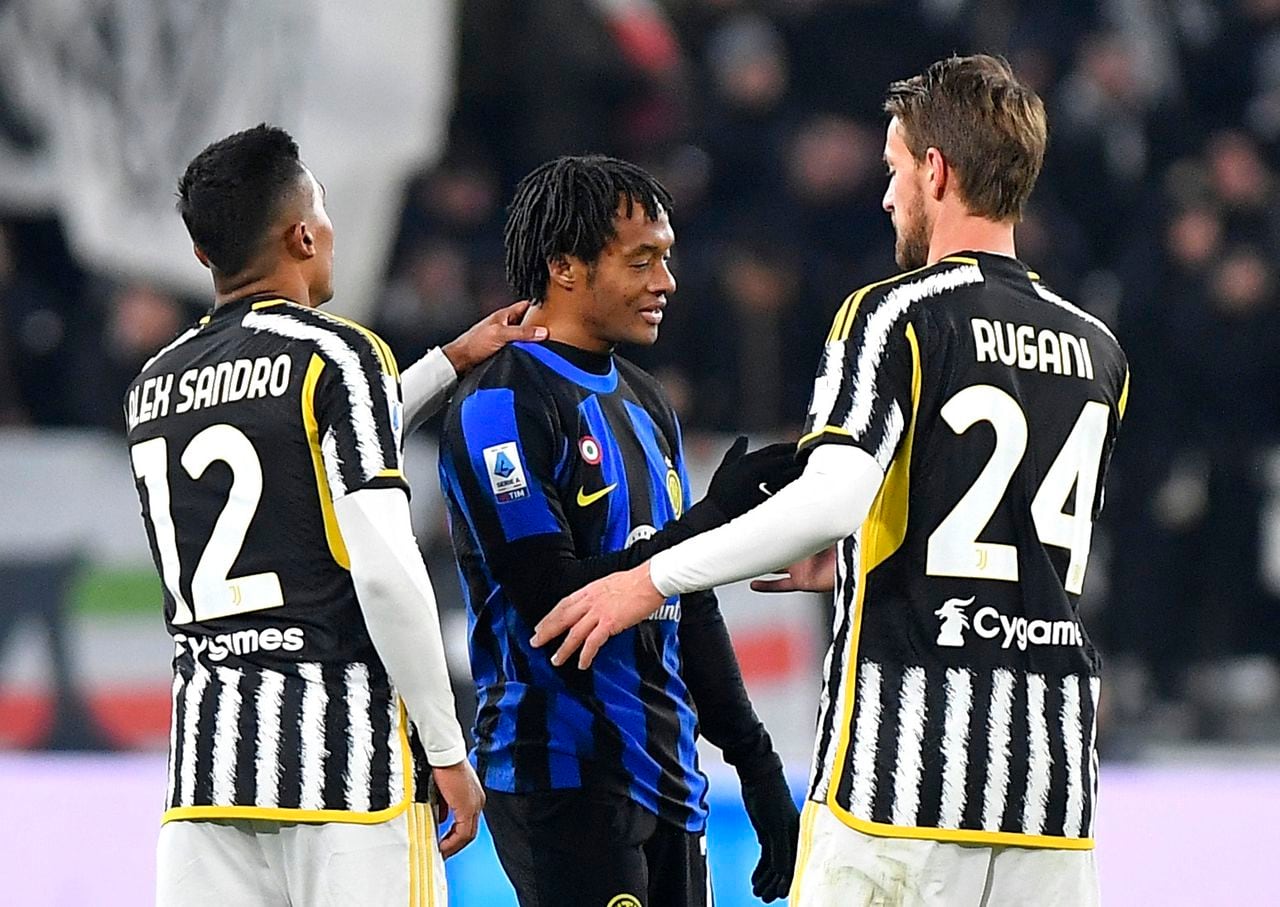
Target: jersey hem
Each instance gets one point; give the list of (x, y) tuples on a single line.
[(954, 835), (273, 814)]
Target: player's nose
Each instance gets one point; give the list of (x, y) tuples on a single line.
[(664, 282)]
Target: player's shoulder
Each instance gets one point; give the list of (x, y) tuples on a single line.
[(1100, 336), (332, 336), (647, 389), (894, 296)]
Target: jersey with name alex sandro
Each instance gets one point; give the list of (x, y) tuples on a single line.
[(549, 442), (242, 433), (960, 691)]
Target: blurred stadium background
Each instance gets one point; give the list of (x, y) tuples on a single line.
[(1157, 211)]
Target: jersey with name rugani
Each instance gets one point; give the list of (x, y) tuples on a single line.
[(242, 433), (960, 692), (534, 445)]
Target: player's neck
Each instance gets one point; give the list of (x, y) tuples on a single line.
[(286, 286), (566, 326), (961, 232)]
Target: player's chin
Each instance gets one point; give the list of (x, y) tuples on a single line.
[(642, 334)]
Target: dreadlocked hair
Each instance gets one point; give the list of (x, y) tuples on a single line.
[(567, 207)]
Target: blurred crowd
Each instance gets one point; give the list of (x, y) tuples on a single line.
[(1157, 211)]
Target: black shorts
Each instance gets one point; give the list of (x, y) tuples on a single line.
[(584, 848)]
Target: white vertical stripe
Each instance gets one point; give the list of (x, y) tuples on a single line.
[(999, 728), (826, 387), (173, 737), (1094, 689), (397, 780), (892, 433), (270, 703), (835, 706), (314, 751), (1036, 801), (1049, 296), (226, 737), (359, 737), (332, 464), (1073, 742), (955, 747), (912, 713), (191, 698), (865, 736), (354, 379), (879, 325)]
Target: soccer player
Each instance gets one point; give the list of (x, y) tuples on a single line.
[(312, 712), (957, 439), (560, 463)]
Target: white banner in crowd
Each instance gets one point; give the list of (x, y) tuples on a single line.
[(103, 102)]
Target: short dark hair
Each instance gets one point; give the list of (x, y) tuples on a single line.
[(986, 123), (567, 207), (231, 192)]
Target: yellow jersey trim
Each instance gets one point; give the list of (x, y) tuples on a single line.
[(332, 533), (959, 835), (825, 430), (286, 814), (390, 474), (268, 303), (1124, 395)]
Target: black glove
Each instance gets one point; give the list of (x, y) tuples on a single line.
[(744, 480), (776, 820)]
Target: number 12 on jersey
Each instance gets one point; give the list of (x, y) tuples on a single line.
[(214, 593), (953, 547)]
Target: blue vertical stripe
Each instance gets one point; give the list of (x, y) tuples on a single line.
[(647, 433), (489, 420), (614, 472)]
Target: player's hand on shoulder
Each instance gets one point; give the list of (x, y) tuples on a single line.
[(776, 821), (744, 480), (490, 334), (816, 573), (461, 794)]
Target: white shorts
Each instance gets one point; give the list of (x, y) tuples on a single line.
[(839, 866), (256, 863)]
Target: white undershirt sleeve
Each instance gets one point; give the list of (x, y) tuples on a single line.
[(426, 386), (399, 608), (828, 502)]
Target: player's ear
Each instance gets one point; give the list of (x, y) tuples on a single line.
[(201, 257), (562, 271), (300, 241), (937, 173)]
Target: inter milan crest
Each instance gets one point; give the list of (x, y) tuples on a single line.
[(675, 491)]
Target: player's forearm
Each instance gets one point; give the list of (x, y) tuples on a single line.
[(710, 670), (399, 609), (426, 386), (828, 502)]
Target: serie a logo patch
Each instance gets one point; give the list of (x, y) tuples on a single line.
[(506, 472)]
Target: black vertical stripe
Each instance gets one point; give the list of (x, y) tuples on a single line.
[(337, 743), (246, 781), (380, 697), (887, 741), (935, 699), (185, 669), (1087, 715), (979, 750), (1056, 813), (290, 795), (1019, 748), (206, 734)]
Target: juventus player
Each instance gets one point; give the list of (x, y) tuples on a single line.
[(957, 439), (311, 704)]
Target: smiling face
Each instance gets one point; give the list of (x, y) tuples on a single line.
[(628, 284), (904, 200)]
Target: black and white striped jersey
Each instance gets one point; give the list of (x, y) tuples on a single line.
[(960, 691), (242, 433)]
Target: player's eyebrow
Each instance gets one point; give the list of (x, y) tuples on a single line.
[(648, 249)]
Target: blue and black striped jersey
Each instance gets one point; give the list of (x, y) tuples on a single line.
[(538, 447)]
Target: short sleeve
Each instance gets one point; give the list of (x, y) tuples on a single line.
[(358, 412), (503, 453), (866, 380)]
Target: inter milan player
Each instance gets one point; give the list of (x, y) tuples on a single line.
[(312, 710), (958, 436), (562, 462)]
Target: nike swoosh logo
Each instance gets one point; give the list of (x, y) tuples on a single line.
[(765, 490), (586, 500)]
